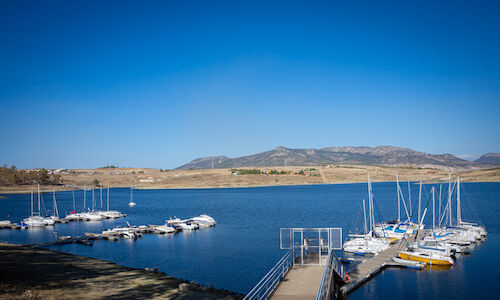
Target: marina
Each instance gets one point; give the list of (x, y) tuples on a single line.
[(312, 250), (79, 242)]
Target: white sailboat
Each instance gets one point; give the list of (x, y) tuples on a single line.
[(367, 243), (131, 203), (110, 214), (35, 219)]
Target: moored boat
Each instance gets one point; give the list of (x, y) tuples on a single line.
[(430, 258)]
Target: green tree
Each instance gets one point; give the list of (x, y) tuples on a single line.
[(95, 182)]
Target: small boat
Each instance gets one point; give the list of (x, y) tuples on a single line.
[(409, 262), (188, 225), (165, 229), (35, 221), (131, 203), (91, 216), (5, 222), (110, 214), (204, 221), (49, 221), (431, 258)]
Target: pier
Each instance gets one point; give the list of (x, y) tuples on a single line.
[(311, 270), (369, 268)]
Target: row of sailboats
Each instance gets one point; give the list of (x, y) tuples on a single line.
[(445, 241), (37, 219), (437, 248), (93, 214)]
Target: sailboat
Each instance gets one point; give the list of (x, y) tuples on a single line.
[(367, 243), (131, 203), (55, 212), (110, 214), (73, 216), (93, 215), (35, 219), (397, 229)]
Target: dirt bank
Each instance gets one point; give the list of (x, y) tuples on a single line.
[(35, 273)]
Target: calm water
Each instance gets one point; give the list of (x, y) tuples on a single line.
[(237, 252)]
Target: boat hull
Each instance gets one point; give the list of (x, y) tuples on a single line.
[(427, 260)]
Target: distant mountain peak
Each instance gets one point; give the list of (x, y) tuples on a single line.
[(489, 159), (280, 148), (381, 155)]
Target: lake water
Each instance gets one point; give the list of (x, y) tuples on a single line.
[(244, 245)]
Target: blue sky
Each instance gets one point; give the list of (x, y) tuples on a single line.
[(157, 84)]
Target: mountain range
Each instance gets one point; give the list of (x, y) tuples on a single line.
[(381, 155)]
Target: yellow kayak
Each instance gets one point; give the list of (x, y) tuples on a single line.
[(429, 258)]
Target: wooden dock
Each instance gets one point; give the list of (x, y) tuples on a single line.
[(301, 282)]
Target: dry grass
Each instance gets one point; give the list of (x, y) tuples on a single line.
[(222, 178)]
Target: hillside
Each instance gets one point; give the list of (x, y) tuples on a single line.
[(489, 159), (381, 156)]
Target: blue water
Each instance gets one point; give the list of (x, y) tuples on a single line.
[(237, 252)]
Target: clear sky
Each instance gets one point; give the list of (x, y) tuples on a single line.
[(157, 84)]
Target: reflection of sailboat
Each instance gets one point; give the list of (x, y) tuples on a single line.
[(131, 203)]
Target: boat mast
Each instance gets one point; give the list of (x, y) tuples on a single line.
[(409, 199), (100, 190), (39, 199), (31, 203), (84, 198), (397, 192), (459, 209), (364, 214), (449, 199), (433, 211), (93, 200), (108, 198), (131, 195), (370, 202), (439, 206), (56, 211), (419, 198), (74, 206)]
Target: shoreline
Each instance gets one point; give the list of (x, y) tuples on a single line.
[(28, 190), (141, 178), (24, 269)]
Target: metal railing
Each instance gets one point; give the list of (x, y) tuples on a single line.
[(271, 280), (327, 280)]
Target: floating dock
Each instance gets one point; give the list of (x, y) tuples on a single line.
[(369, 268), (322, 277)]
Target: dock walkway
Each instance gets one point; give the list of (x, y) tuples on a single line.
[(369, 268), (301, 282)]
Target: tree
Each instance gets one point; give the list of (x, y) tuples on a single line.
[(95, 182), (43, 176)]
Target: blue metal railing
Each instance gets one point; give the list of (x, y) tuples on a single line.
[(325, 286), (269, 282)]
